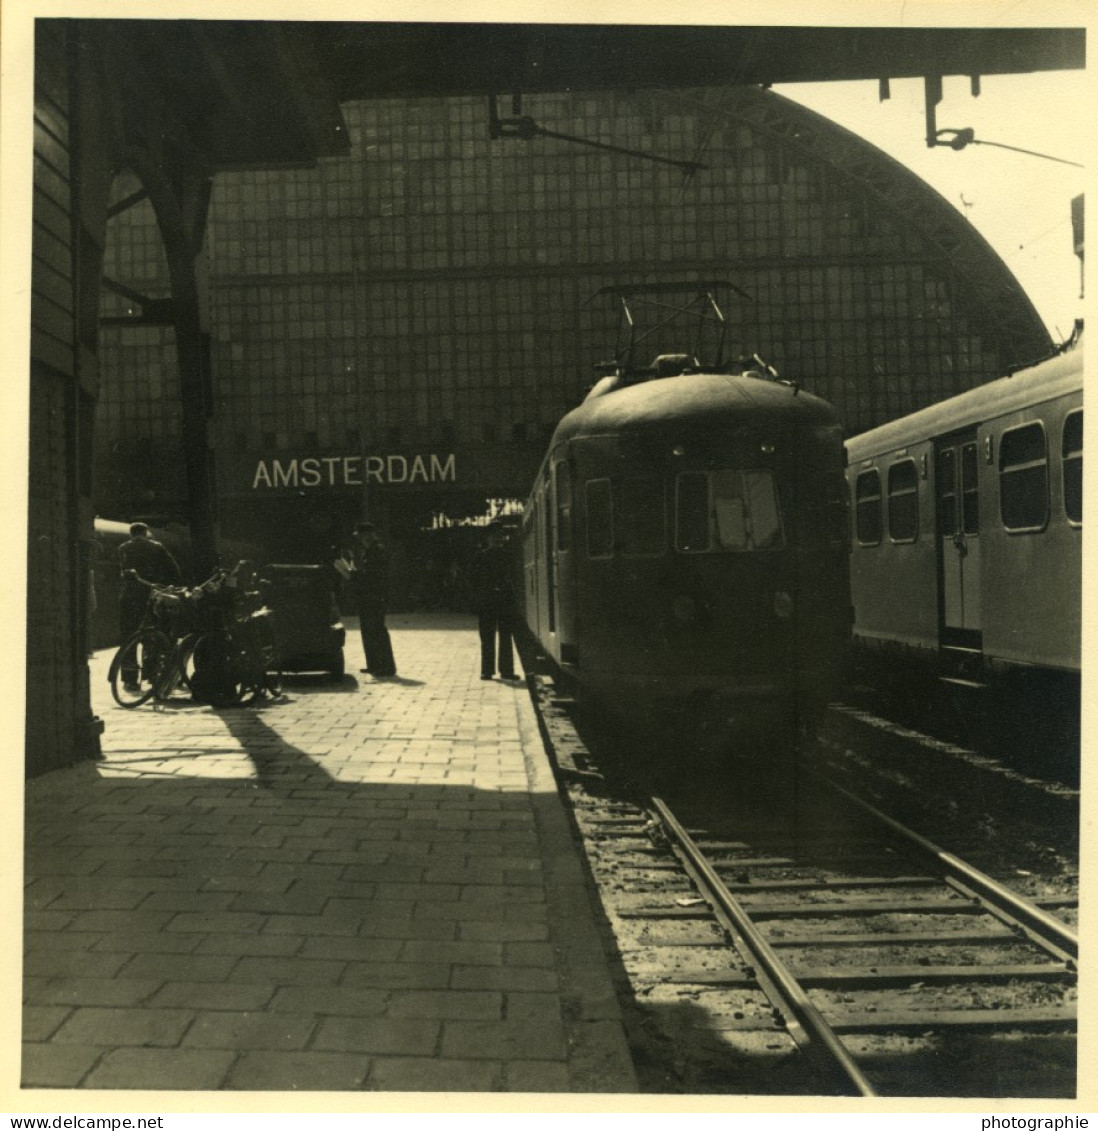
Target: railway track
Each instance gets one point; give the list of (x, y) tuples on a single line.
[(810, 944)]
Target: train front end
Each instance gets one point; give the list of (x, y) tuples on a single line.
[(704, 577)]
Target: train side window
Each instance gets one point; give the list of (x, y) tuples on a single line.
[(600, 518), (903, 501), (867, 507), (640, 516), (1023, 477), (564, 505), (1073, 466), (970, 490)]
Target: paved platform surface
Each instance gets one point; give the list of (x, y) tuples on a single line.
[(366, 885)]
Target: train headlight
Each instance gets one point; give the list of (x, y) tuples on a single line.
[(783, 605), (684, 608)]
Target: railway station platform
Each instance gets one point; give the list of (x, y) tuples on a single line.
[(369, 885)]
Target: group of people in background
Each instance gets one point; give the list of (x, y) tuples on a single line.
[(365, 566), (490, 589)]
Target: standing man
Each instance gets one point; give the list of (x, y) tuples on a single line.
[(370, 585), (151, 561), (493, 599)]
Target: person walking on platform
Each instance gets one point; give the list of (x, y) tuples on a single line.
[(150, 561), (370, 585), (493, 597)]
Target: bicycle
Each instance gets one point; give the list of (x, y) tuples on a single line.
[(214, 640), (156, 659)]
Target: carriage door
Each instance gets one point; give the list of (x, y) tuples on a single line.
[(958, 495)]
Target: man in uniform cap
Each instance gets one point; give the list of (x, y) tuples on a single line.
[(370, 585)]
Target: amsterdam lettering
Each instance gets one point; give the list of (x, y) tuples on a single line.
[(353, 471)]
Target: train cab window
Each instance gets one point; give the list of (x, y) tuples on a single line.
[(1023, 477), (867, 507), (600, 518), (727, 511), (640, 516), (903, 501), (563, 484), (1073, 466)]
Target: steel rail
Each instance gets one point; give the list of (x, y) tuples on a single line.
[(822, 1043), (1050, 933)]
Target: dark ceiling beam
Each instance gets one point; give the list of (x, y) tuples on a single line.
[(405, 59)]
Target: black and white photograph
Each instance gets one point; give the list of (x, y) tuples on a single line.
[(554, 557)]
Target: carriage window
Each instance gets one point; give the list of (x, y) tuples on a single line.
[(727, 510), (1073, 466), (640, 521), (867, 507), (970, 490), (1023, 478), (903, 501), (564, 506), (600, 519)]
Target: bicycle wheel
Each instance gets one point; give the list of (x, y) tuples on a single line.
[(136, 668), (174, 673)]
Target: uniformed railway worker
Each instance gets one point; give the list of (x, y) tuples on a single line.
[(493, 598), (370, 586)]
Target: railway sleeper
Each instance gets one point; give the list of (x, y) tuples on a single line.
[(891, 977), (980, 1020)]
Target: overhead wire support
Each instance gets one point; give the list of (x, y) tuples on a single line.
[(966, 137), (524, 127)]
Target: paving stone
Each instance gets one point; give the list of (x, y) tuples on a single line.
[(255, 946), (505, 978), (452, 953), (299, 1071), (392, 1035), (355, 948), (162, 1069), (398, 975), (533, 1006), (55, 963), (212, 995), (180, 967), (538, 1076), (250, 1030), (334, 1000), (288, 971), (479, 930), (117, 1027), (434, 1074), (41, 1021), (504, 1040), (210, 922), (529, 954), (446, 1004), (90, 991), (57, 1066)]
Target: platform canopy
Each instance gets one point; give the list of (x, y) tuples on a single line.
[(364, 60), (269, 92)]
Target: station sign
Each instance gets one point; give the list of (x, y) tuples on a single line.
[(301, 473)]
